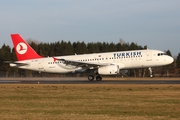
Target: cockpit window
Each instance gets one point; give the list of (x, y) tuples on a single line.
[(160, 54)]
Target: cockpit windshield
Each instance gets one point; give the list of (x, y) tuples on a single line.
[(160, 54)]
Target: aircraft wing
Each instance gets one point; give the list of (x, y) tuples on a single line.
[(82, 64)]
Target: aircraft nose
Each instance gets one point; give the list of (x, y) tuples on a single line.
[(170, 60)]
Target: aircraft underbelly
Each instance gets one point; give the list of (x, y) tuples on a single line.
[(57, 68)]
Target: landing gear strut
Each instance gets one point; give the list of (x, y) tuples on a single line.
[(91, 78), (151, 72)]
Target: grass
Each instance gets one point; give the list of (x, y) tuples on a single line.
[(79, 102)]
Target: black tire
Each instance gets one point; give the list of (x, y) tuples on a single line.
[(90, 77), (98, 78)]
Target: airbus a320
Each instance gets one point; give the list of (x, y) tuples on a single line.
[(96, 64)]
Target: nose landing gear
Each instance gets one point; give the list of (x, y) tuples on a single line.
[(151, 72)]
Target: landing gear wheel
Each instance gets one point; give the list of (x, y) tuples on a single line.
[(151, 76), (151, 72), (90, 77), (98, 78)]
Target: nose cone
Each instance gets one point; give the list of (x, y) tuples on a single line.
[(170, 60)]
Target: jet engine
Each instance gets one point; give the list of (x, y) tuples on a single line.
[(108, 70)]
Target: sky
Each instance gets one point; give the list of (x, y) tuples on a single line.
[(155, 23)]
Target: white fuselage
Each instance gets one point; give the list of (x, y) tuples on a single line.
[(123, 59)]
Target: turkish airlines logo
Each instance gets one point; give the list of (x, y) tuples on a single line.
[(21, 48)]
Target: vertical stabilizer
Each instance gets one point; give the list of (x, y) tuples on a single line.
[(23, 50)]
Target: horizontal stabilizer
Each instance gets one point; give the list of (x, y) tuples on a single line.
[(16, 64)]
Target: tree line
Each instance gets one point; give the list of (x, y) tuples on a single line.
[(62, 47)]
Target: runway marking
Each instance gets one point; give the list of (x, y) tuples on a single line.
[(9, 81), (89, 82)]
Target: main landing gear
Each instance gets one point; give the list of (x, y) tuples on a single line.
[(91, 78), (151, 72)]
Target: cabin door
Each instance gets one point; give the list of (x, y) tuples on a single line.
[(40, 65), (148, 56)]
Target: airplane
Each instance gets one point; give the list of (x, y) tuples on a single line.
[(107, 63)]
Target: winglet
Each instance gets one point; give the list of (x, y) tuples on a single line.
[(54, 59), (23, 50)]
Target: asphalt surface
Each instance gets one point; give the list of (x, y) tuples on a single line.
[(85, 81)]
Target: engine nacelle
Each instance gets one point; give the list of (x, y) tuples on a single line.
[(108, 70)]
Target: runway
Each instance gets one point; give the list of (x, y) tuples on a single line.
[(85, 81)]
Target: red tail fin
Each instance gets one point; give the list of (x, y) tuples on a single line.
[(23, 50)]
